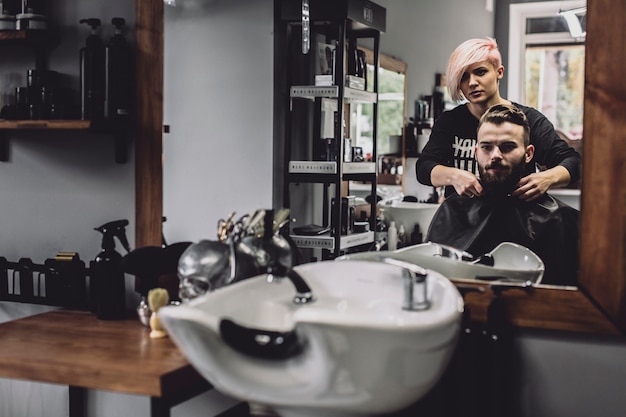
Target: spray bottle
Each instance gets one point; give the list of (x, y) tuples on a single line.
[(118, 75), (107, 284), (92, 74)]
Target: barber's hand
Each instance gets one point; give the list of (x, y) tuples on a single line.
[(533, 186), (466, 183)]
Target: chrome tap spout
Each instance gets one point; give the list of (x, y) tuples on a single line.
[(415, 288), (304, 295)]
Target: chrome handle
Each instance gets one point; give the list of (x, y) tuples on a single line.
[(415, 284)]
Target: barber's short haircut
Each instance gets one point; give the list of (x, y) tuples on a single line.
[(468, 53), (501, 113)]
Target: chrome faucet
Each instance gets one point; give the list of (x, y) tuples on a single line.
[(304, 295), (415, 280)]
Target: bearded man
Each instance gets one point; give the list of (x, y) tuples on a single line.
[(477, 224)]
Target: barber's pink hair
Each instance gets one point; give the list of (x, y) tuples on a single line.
[(466, 54)]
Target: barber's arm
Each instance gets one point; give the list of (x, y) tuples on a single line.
[(563, 162), (434, 166), (535, 185), (464, 182)]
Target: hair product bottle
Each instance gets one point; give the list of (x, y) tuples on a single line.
[(92, 74), (118, 75)]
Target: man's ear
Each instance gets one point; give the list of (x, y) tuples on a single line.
[(530, 152)]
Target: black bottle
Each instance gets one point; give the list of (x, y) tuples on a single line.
[(118, 75), (92, 74), (107, 285)]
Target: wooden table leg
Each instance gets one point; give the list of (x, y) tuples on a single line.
[(159, 407), (78, 401)]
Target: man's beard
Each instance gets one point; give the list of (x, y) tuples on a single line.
[(501, 183)]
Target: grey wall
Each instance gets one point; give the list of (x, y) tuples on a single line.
[(218, 102), (567, 375)]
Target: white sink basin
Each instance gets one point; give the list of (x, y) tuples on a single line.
[(353, 351), (506, 263), (409, 214)]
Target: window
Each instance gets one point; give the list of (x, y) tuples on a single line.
[(546, 64), (390, 111)]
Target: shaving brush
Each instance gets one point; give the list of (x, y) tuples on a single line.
[(157, 298)]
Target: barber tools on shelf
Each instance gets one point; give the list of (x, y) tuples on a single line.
[(244, 248), (59, 281)]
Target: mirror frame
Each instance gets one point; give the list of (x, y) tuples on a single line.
[(598, 305), (149, 22)]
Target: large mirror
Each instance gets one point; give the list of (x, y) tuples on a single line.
[(594, 307)]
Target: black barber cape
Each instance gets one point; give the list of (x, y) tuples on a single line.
[(548, 227)]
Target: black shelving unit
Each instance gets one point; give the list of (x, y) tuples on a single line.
[(344, 25)]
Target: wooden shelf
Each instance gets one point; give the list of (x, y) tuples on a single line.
[(44, 124), (36, 37), (83, 125), (14, 35)]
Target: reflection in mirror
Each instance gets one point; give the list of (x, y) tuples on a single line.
[(391, 118), (391, 106), (549, 309), (545, 70), (555, 85)]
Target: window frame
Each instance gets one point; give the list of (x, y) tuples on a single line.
[(518, 39)]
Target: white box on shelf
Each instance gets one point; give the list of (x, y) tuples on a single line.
[(358, 167), (327, 125), (355, 82), (359, 96), (323, 80), (356, 239)]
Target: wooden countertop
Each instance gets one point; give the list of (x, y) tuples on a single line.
[(75, 348)]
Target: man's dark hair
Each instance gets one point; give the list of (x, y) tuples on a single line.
[(501, 113)]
